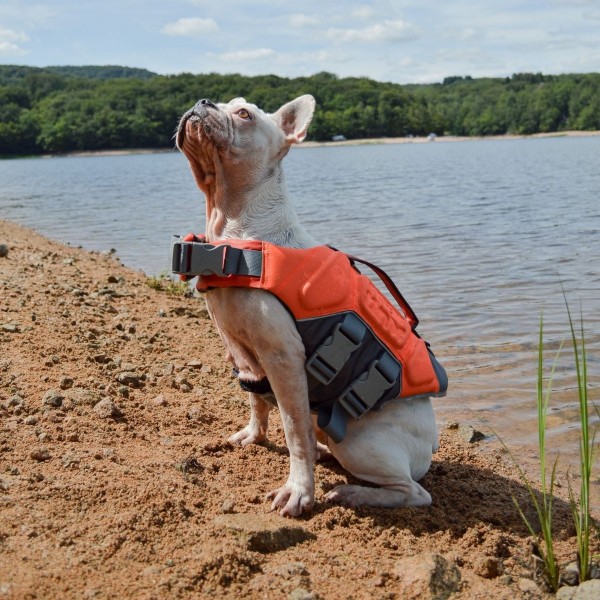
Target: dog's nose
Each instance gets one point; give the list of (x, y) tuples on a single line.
[(205, 102)]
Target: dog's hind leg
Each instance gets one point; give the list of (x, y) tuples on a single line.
[(406, 493), (390, 448)]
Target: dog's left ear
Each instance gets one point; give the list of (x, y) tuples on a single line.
[(294, 118)]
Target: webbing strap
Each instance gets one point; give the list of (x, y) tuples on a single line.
[(394, 291), (243, 262)]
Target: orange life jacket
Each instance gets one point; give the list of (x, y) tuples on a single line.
[(361, 349)]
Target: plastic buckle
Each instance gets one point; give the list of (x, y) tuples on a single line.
[(192, 259), (364, 392), (331, 356)]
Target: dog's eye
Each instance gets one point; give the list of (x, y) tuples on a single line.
[(243, 114)]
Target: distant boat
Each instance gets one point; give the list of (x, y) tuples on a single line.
[(431, 137), (338, 138)]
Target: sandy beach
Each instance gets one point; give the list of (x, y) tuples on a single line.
[(117, 480), (353, 142)]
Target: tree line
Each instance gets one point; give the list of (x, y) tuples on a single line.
[(64, 109)]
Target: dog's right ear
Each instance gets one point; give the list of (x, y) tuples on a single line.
[(294, 118)]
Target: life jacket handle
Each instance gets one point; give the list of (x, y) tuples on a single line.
[(394, 291)]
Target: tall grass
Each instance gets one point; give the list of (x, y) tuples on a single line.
[(581, 509), (544, 547), (543, 506)]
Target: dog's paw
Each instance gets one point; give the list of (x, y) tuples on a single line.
[(323, 451), (350, 496), (248, 435), (292, 500)]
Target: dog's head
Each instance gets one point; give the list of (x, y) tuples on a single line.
[(236, 144)]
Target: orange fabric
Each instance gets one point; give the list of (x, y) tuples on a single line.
[(319, 281)]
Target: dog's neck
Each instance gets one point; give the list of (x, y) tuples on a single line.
[(265, 212)]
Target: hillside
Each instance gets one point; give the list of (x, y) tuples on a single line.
[(65, 109)]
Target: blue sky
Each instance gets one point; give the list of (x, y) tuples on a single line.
[(400, 41)]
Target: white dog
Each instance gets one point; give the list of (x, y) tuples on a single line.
[(235, 152)]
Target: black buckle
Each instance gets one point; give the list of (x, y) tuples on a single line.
[(192, 259), (364, 392), (331, 356)]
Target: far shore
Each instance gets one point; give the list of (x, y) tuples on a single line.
[(352, 142)]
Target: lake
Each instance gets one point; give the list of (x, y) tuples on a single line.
[(478, 235)]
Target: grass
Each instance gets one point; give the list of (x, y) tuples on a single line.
[(164, 283), (542, 530), (581, 509), (543, 507)]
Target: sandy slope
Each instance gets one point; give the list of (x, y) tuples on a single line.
[(116, 479)]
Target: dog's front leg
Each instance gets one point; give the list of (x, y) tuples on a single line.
[(289, 386), (256, 430)]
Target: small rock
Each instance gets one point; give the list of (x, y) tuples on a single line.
[(15, 400), (427, 576), (570, 574), (123, 391), (488, 567), (528, 586), (206, 369), (30, 420), (263, 534), (65, 383), (182, 384), (469, 434), (103, 359), (112, 279), (107, 409), (40, 455), (228, 507), (53, 398), (194, 364), (160, 400), (588, 590), (11, 328), (3, 250), (130, 379)]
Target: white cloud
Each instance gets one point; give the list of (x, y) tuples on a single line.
[(388, 31), (7, 35), (246, 55), (301, 20), (191, 26), (9, 42)]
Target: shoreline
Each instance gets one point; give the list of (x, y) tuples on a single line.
[(332, 144)]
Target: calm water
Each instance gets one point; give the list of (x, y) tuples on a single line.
[(477, 235)]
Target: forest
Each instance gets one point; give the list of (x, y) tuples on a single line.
[(66, 109)]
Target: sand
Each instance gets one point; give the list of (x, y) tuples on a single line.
[(117, 480)]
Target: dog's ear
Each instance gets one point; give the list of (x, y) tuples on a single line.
[(294, 118)]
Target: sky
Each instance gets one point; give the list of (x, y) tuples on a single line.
[(401, 41)]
